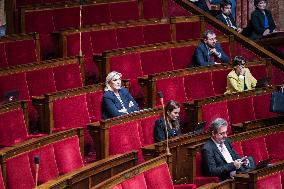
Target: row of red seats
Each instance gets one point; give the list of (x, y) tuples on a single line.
[(39, 78)]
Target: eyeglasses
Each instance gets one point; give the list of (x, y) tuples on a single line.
[(223, 133)]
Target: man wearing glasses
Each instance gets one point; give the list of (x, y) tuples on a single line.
[(240, 79), (208, 52), (219, 159)]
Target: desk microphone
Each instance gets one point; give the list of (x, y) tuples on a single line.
[(36, 162), (161, 96)]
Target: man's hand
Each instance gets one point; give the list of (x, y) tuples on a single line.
[(238, 163), (266, 32), (239, 30)]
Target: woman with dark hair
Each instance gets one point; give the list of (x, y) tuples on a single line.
[(240, 79), (172, 111), (262, 22)]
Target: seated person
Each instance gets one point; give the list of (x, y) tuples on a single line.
[(240, 79), (262, 23), (117, 100), (219, 159), (208, 51), (226, 15), (172, 110)]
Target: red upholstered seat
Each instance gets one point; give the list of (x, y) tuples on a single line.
[(226, 48), (200, 180), (277, 77), (19, 174), (238, 113), (188, 30), (130, 36), (94, 101), (67, 154), (48, 168), (213, 111), (3, 60), (210, 27), (255, 147), (117, 187), (175, 9), (40, 82), (173, 89), (275, 145), (159, 177), (121, 11), (156, 61), (153, 34), (238, 147), (66, 17), (103, 40), (261, 106), (198, 86), (12, 127), (135, 182), (26, 52), (67, 77), (74, 110), (152, 9), (130, 67), (258, 71), (219, 79), (271, 181), (247, 54), (2, 186), (147, 130), (16, 82), (182, 56), (96, 14), (125, 137)]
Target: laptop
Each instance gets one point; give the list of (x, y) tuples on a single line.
[(263, 163), (264, 82), (198, 127), (11, 96)]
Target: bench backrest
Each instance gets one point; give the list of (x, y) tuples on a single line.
[(59, 154), (14, 123), (19, 49), (151, 174), (125, 133), (39, 78)]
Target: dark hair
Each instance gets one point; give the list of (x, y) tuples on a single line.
[(257, 1), (238, 60), (171, 105), (216, 124), (225, 3), (206, 33)]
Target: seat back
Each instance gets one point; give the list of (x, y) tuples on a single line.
[(22, 155), (38, 79), (13, 125), (26, 46)]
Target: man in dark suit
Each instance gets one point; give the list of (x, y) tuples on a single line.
[(218, 156), (226, 15), (208, 52)]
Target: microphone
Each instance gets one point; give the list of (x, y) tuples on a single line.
[(161, 96), (36, 161)]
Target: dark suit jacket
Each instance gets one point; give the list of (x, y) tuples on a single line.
[(111, 104), (160, 131), (202, 58), (213, 162), (257, 23), (222, 19)]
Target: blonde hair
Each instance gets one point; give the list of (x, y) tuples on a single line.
[(109, 77)]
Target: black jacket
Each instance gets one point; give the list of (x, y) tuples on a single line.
[(257, 23)]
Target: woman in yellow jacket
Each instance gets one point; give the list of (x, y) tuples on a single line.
[(240, 79)]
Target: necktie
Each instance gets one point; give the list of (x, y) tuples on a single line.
[(228, 22), (221, 147)]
